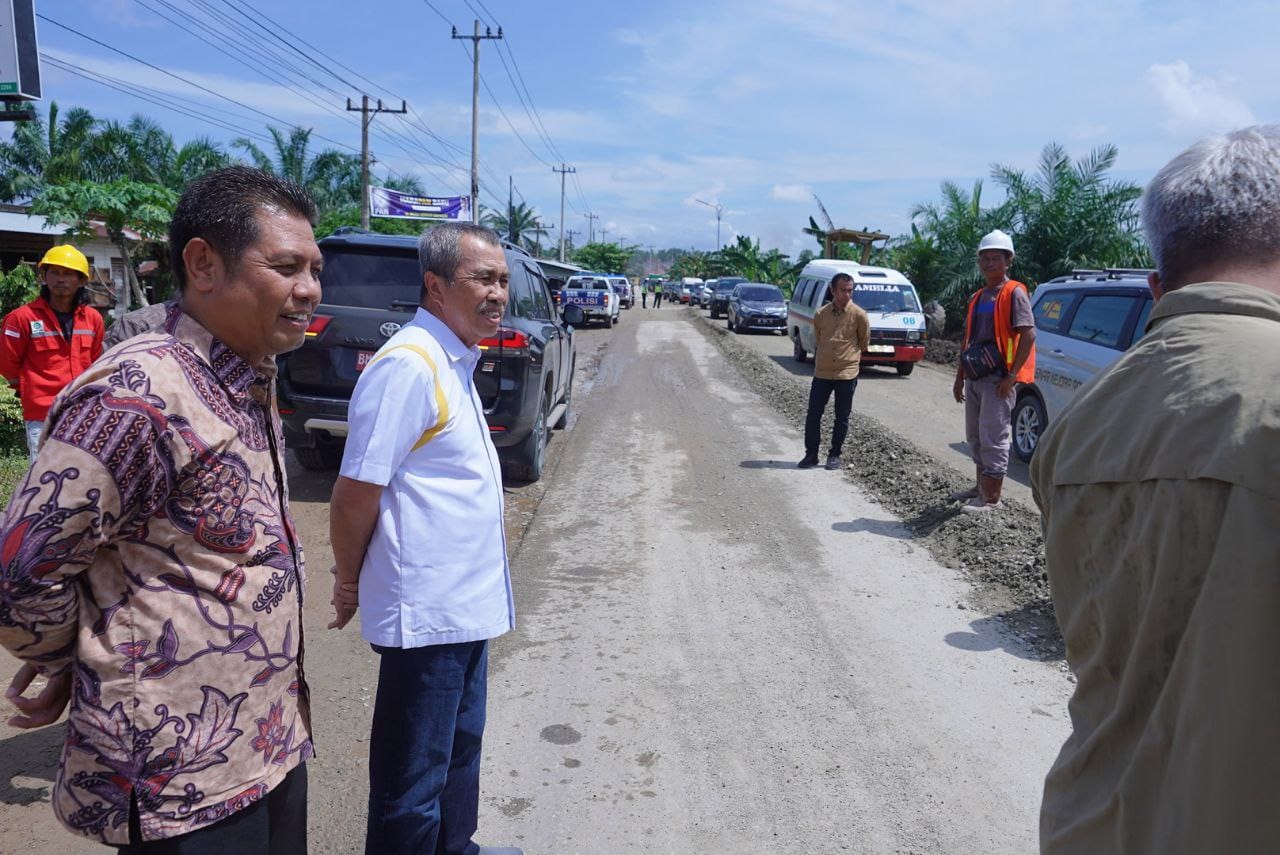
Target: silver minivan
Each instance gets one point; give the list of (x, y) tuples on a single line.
[(1084, 322)]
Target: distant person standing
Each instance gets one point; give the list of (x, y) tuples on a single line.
[(998, 353), (51, 341), (843, 332), (657, 295), (644, 295)]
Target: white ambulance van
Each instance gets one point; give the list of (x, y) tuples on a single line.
[(889, 299)]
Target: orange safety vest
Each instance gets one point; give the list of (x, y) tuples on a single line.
[(1007, 337)]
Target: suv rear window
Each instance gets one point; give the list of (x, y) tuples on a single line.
[(370, 280), (1101, 318), (1051, 308)]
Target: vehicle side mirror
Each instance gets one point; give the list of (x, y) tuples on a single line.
[(572, 315)]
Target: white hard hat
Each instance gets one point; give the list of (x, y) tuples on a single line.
[(996, 240)]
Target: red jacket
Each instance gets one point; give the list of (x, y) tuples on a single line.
[(37, 358)]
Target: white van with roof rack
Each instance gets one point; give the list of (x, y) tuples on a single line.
[(889, 299)]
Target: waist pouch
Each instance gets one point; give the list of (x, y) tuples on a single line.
[(979, 360)]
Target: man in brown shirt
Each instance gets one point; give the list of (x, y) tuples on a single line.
[(843, 331), (1162, 534), (148, 563)]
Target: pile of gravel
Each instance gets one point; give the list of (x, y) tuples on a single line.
[(1001, 553), (942, 350)]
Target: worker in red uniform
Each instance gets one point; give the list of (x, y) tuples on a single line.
[(48, 342)]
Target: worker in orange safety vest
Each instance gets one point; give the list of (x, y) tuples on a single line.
[(50, 341)]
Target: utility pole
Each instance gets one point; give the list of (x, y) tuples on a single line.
[(366, 116), (563, 170), (718, 208), (591, 225), (475, 111), (511, 209), (604, 235), (569, 234)]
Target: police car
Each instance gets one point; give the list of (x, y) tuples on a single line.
[(1084, 322)]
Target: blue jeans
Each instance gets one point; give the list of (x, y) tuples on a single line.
[(820, 392), (424, 752)]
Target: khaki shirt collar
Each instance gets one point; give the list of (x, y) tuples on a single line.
[(1222, 298)]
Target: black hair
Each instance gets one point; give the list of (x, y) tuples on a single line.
[(221, 208)]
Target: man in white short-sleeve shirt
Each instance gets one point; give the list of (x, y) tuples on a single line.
[(418, 544)]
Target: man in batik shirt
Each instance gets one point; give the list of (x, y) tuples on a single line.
[(148, 564)]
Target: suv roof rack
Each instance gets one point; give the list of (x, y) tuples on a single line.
[(1082, 274), (352, 230)]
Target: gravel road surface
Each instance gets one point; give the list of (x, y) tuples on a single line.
[(719, 653)]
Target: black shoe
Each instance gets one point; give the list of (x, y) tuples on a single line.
[(833, 462), (808, 461)]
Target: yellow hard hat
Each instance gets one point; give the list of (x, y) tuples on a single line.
[(66, 256)]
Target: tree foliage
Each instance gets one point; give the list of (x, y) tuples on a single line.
[(1065, 216), (603, 257), (120, 205), (332, 177), (521, 226)]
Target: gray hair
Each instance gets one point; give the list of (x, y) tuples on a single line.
[(438, 250), (1216, 202)]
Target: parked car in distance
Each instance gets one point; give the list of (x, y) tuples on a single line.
[(593, 293), (371, 286), (757, 306), (703, 294), (897, 323), (622, 287), (719, 301), (1084, 322)]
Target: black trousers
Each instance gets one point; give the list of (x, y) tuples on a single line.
[(657, 299), (276, 825), (819, 393)]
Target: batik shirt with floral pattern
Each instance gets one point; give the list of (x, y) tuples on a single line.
[(151, 551)]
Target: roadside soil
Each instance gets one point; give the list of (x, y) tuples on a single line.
[(1002, 554)]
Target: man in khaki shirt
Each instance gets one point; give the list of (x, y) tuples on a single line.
[(1162, 534), (843, 331)]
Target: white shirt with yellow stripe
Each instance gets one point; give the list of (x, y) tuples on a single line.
[(436, 568)]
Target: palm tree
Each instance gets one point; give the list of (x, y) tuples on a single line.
[(947, 235), (1067, 216), (44, 150), (522, 226), (332, 177)]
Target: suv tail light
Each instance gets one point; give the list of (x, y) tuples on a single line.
[(507, 339), (317, 325)]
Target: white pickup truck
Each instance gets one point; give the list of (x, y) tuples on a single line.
[(593, 293)]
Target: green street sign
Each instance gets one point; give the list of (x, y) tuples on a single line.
[(8, 88)]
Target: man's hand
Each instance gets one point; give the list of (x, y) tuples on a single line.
[(958, 390), (44, 708), (345, 600), (1005, 387)]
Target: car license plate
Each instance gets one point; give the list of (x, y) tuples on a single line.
[(363, 358), (880, 348)]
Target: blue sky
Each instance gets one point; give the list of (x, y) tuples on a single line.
[(751, 104)]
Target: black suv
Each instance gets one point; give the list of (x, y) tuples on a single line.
[(720, 296), (371, 288)]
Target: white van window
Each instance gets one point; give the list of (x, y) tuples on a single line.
[(800, 291), (885, 297)]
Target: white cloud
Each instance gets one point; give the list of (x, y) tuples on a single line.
[(1195, 103), (801, 194)]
